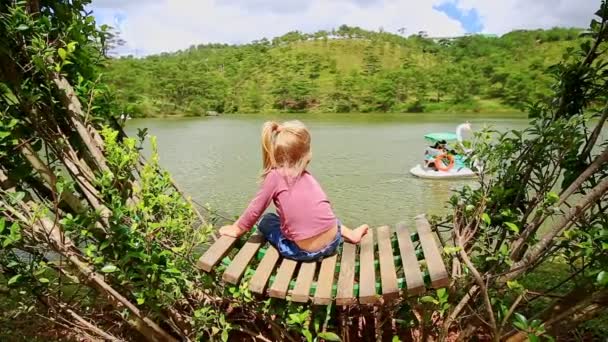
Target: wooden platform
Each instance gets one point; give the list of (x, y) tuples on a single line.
[(386, 265)]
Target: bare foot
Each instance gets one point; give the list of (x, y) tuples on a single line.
[(354, 235)]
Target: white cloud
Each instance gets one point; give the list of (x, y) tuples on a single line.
[(154, 26), (507, 15)]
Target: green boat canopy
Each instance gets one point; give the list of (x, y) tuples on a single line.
[(434, 137)]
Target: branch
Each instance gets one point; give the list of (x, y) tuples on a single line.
[(595, 135), (460, 306), (53, 234), (49, 177), (510, 312), (558, 228), (90, 137), (597, 163), (253, 334), (480, 283)]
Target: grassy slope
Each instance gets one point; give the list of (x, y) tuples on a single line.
[(137, 81)]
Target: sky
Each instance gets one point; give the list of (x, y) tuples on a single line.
[(155, 26)]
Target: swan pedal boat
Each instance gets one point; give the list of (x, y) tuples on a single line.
[(459, 170), (454, 173)]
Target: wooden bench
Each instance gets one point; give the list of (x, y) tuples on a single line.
[(385, 266)]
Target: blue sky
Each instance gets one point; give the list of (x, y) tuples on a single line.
[(154, 26), (468, 18)]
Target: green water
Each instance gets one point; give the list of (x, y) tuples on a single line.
[(361, 160)]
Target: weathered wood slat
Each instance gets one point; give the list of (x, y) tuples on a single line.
[(258, 281), (301, 292), (325, 282), (215, 253), (238, 265), (367, 272), (279, 287), (388, 275), (436, 267), (345, 294), (411, 267)]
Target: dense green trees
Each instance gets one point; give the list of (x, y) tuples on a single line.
[(345, 70)]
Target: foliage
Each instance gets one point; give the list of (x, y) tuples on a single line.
[(541, 201), (345, 70), (104, 242)]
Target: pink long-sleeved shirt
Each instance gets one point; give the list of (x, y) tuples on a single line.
[(301, 204)]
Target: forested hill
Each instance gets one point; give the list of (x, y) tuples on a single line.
[(345, 70)]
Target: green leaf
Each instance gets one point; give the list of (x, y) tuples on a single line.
[(109, 269), (307, 334), (14, 236), (329, 336), (225, 335), (2, 224), (43, 280), (451, 249), (514, 285), (602, 278), (533, 338), (16, 197), (14, 279), (72, 46), (59, 187), (140, 301), (486, 218), (512, 227), (521, 322), (396, 339), (62, 53), (22, 27), (552, 197), (442, 294), (428, 299), (173, 271), (214, 330), (15, 233)]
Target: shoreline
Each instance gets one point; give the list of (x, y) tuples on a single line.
[(493, 113)]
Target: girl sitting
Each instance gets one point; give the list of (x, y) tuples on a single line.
[(305, 227)]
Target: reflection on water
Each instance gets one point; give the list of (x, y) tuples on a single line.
[(361, 160)]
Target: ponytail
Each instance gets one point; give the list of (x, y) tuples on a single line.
[(268, 133), (285, 146)]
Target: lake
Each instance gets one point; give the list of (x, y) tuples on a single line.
[(361, 160)]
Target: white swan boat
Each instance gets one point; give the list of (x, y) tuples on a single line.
[(442, 162), (429, 173)]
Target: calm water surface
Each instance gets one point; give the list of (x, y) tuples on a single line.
[(361, 160)]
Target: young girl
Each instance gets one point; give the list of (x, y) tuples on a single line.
[(305, 227)]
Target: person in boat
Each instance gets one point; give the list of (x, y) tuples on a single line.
[(304, 227), (432, 152)]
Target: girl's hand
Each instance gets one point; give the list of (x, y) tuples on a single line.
[(232, 230)]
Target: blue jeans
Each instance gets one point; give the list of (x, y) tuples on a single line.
[(270, 227)]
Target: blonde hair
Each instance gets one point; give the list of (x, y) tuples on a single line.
[(285, 146)]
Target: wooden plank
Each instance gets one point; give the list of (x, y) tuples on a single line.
[(435, 265), (367, 272), (411, 266), (325, 282), (388, 274), (238, 265), (215, 253), (345, 294), (258, 281), (301, 293), (281, 281)]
